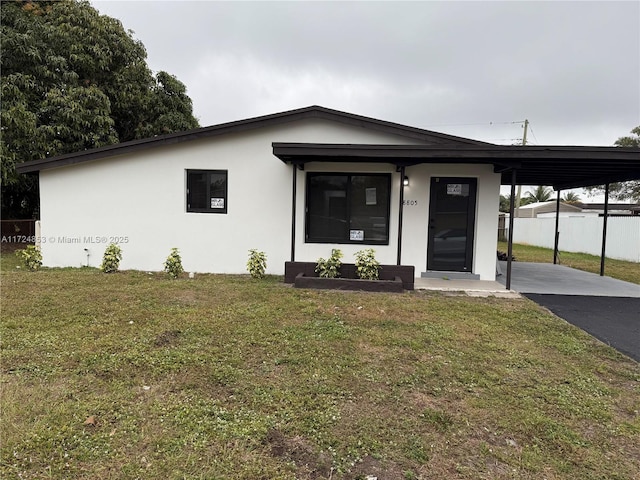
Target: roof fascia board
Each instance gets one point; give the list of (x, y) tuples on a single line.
[(515, 153), (560, 166)]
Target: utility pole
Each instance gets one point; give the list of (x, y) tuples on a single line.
[(524, 142)]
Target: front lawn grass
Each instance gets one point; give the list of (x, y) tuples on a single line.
[(132, 375), (620, 269)]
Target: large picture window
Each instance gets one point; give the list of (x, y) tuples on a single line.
[(348, 208), (207, 191)]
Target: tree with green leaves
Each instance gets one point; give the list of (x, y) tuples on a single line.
[(505, 203), (72, 80), (571, 197), (623, 190), (539, 194)]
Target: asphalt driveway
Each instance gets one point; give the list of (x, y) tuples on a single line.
[(612, 320)]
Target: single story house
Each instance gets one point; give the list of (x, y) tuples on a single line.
[(295, 185)]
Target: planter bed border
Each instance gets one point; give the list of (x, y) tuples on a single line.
[(392, 277), (391, 286)]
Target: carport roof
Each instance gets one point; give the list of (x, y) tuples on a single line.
[(559, 166)]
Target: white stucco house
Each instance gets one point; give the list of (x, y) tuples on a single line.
[(293, 184)]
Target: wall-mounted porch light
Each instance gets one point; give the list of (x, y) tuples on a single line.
[(405, 181)]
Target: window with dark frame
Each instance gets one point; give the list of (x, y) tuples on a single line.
[(348, 208), (207, 191)]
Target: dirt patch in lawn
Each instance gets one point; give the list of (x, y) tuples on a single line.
[(310, 463), (371, 467), (313, 465), (167, 339)]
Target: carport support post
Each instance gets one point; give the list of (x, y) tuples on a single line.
[(604, 228), (555, 244), (401, 208), (293, 211), (510, 240)]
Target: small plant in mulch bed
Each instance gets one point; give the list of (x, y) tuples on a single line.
[(173, 264), (367, 267), (31, 257), (257, 263), (504, 256), (330, 268), (111, 259)]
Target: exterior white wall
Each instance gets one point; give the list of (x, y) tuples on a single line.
[(140, 199), (416, 214), (582, 234)]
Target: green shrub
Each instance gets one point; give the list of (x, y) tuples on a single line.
[(257, 263), (367, 267), (330, 268), (173, 264), (31, 257), (111, 258)]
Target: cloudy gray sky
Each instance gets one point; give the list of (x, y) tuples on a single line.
[(474, 69)]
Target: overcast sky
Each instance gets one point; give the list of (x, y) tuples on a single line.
[(473, 69), (571, 68)]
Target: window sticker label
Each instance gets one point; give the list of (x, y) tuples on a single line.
[(371, 196), (454, 189), (217, 203), (356, 235), (460, 189)]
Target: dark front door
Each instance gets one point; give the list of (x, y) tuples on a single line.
[(452, 211)]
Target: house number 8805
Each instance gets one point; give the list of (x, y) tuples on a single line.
[(410, 202)]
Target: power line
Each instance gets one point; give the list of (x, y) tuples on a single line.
[(470, 124), (519, 140), (489, 124), (532, 133)]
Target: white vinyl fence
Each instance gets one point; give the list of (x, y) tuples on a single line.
[(583, 234)]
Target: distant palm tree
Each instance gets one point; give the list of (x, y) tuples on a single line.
[(540, 194), (505, 203), (571, 197)]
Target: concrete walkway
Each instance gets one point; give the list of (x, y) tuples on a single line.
[(473, 288), (547, 278)]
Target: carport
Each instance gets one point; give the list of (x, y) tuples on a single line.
[(604, 307), (564, 168), (561, 167)]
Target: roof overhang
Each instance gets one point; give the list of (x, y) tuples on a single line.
[(314, 112), (562, 167)]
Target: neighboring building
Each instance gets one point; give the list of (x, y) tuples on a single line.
[(613, 209), (294, 185), (548, 209), (533, 210)]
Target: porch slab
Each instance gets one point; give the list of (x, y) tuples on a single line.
[(472, 288)]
